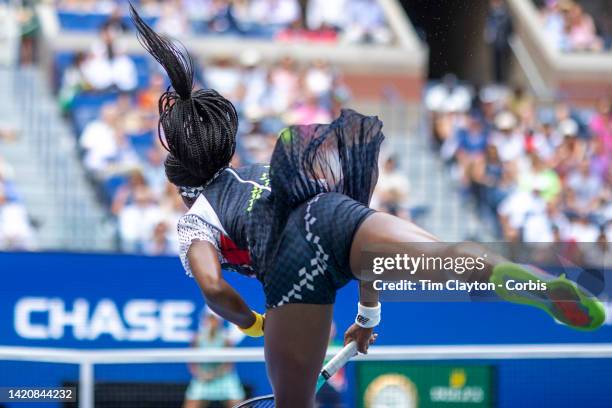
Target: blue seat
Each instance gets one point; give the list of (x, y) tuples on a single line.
[(142, 69), (62, 61), (142, 142), (71, 21), (86, 107), (112, 184)]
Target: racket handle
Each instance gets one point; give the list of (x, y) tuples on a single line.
[(336, 363)]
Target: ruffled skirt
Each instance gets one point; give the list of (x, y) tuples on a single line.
[(300, 233)]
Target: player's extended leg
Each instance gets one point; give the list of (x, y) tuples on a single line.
[(563, 299), (296, 339), (382, 228)]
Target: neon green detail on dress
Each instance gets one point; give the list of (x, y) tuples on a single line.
[(257, 191)]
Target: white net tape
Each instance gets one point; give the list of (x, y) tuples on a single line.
[(87, 360)]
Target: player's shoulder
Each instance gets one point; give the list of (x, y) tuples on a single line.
[(201, 212)]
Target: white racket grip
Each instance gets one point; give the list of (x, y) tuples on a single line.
[(339, 360)]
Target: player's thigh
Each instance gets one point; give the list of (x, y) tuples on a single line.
[(382, 228), (296, 339)]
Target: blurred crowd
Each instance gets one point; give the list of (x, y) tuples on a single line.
[(312, 20), (104, 67), (538, 174), (570, 28), (16, 232), (119, 144)]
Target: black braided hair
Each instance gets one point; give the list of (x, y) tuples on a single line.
[(199, 126)]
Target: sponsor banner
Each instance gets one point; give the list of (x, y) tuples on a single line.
[(119, 301), (425, 386), (101, 301)]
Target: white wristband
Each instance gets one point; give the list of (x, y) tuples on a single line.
[(368, 317)]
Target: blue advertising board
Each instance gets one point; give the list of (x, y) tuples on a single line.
[(119, 301)]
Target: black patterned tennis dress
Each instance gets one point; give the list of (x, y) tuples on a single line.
[(291, 224)]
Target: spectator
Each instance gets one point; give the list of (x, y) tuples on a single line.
[(580, 30), (488, 182), (30, 28), (125, 193), (160, 244), (326, 13), (115, 23), (508, 141), (153, 170), (99, 139), (254, 82), (74, 81), (600, 161), (148, 98), (319, 78), (107, 149), (97, 71), (275, 12), (586, 185), (554, 24), (172, 20), (569, 28), (546, 141), (515, 209), (601, 125), (471, 142), (285, 82), (108, 66), (448, 96), (392, 190), (138, 220), (173, 208), (123, 71), (498, 30), (598, 255), (537, 228), (223, 18), (448, 101), (521, 104), (6, 175), (15, 229), (581, 229), (307, 110), (213, 382), (540, 177), (224, 76), (366, 22), (572, 149)]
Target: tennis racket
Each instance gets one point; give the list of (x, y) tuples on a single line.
[(331, 368)]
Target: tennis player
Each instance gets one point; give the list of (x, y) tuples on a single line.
[(298, 224)]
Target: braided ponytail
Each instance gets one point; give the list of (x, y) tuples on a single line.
[(199, 126)]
